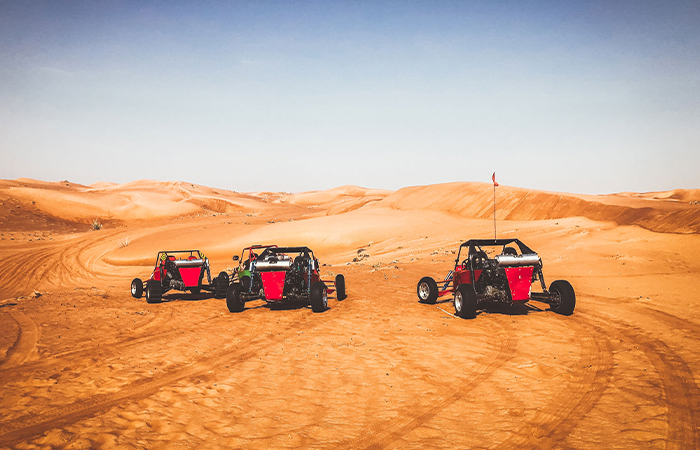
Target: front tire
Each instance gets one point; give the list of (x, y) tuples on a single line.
[(234, 302), (319, 297), (465, 301), (427, 290), (224, 275), (154, 292), (567, 297), (137, 288), (340, 287)]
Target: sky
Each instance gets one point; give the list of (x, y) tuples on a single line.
[(589, 97)]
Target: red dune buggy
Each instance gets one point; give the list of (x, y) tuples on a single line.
[(280, 274), (496, 270), (182, 270)]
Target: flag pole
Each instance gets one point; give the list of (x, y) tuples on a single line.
[(493, 178)]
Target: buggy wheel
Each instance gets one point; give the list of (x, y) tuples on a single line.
[(465, 301), (154, 291), (427, 290), (224, 275), (245, 284), (220, 286), (564, 300), (319, 297), (137, 288), (234, 302), (340, 287)]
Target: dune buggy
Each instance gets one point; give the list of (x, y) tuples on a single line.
[(496, 270), (279, 274), (181, 270)]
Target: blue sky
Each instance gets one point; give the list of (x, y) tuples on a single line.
[(586, 97)]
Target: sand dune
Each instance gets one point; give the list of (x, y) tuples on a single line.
[(85, 365), (651, 211)]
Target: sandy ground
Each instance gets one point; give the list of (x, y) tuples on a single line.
[(85, 365)]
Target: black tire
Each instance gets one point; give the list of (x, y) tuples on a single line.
[(465, 301), (220, 286), (340, 287), (427, 290), (566, 301), (319, 297), (137, 288), (225, 275), (245, 284), (234, 302), (154, 292)]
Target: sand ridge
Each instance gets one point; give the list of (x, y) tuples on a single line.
[(84, 365)]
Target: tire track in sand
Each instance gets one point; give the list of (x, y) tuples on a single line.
[(57, 263), (414, 415), (681, 392), (24, 346), (27, 427), (592, 375), (60, 360)]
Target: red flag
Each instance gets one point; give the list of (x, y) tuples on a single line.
[(494, 179)]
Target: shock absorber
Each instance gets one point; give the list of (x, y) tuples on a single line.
[(448, 278)]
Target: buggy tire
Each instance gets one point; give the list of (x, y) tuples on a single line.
[(245, 284), (465, 301), (234, 301), (567, 297), (224, 275), (220, 286), (137, 288), (340, 287), (319, 297), (427, 290), (154, 292)]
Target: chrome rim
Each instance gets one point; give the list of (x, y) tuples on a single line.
[(325, 298), (458, 302), (423, 290), (133, 289)]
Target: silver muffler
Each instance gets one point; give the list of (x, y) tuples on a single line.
[(530, 259)]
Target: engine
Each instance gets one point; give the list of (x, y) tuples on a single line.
[(296, 279)]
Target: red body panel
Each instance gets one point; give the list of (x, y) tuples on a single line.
[(520, 282), (273, 284), (464, 276), (191, 275)]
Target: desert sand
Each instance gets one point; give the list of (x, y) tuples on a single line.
[(85, 365)]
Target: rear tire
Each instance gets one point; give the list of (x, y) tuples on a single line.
[(567, 297), (137, 288), (340, 287), (225, 275), (427, 290), (154, 292), (234, 302), (220, 286), (319, 297), (465, 301)]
